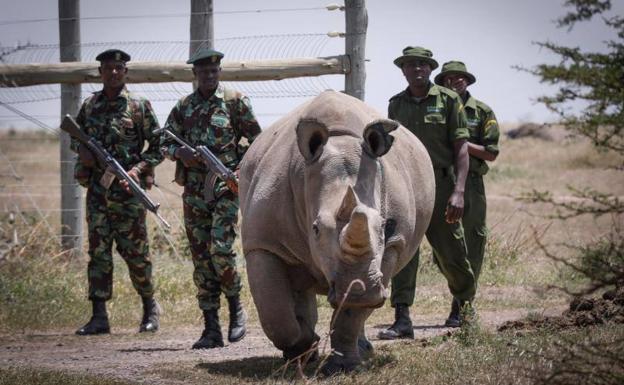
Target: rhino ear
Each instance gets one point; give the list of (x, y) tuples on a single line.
[(311, 137), (349, 202), (377, 138)]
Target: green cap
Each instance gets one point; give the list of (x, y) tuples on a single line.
[(454, 67), (416, 53), (113, 54), (206, 54)]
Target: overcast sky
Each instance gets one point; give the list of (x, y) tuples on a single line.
[(490, 36)]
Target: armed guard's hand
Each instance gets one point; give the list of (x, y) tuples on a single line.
[(86, 157), (455, 207), (134, 174), (187, 157), (149, 182), (232, 185)]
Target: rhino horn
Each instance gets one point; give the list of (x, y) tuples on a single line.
[(349, 203), (377, 138), (312, 136), (355, 237)]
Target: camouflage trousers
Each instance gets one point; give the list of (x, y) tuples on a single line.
[(114, 215), (210, 228)]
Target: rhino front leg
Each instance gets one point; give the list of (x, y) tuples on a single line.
[(348, 342), (365, 348), (287, 316)]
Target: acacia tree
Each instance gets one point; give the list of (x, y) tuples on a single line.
[(596, 81)]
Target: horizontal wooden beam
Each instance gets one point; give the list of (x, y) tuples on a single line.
[(22, 75)]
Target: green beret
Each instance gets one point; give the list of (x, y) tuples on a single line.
[(206, 54), (454, 67), (113, 54), (416, 53)]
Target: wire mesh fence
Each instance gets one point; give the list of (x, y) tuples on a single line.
[(30, 183), (30, 191), (237, 48)]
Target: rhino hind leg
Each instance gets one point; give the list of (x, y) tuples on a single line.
[(287, 316)]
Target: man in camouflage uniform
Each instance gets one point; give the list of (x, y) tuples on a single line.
[(218, 118), (121, 122), (482, 147), (435, 115)]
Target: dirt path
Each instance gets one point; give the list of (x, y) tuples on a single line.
[(128, 355)]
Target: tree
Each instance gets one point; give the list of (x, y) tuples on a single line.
[(596, 81)]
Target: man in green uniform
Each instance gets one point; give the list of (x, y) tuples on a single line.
[(218, 118), (121, 122), (482, 147), (435, 115)]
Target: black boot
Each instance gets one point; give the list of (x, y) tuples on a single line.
[(402, 326), (211, 336), (151, 313), (98, 324), (454, 318), (462, 312), (236, 329)]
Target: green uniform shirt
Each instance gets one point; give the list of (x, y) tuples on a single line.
[(218, 122), (122, 126), (483, 131), (437, 120)]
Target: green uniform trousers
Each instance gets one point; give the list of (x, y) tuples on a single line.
[(475, 228), (449, 245)]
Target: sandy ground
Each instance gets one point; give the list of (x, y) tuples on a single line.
[(125, 354)]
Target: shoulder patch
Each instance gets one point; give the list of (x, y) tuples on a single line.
[(448, 92), (231, 94), (185, 100), (136, 98), (483, 106)]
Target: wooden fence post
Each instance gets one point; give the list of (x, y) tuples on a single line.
[(356, 19), (71, 192)]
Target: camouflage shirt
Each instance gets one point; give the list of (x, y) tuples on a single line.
[(437, 120), (483, 131), (218, 122), (121, 126)]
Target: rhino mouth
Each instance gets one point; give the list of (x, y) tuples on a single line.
[(357, 294)]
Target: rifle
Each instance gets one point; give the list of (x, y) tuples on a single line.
[(107, 162), (209, 159)]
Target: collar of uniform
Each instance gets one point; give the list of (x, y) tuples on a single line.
[(433, 90), (218, 94), (124, 93), (471, 102)]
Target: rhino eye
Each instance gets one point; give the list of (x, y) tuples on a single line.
[(315, 228)]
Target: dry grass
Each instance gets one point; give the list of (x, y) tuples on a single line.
[(44, 289)]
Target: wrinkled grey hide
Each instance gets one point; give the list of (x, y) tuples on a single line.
[(330, 194)]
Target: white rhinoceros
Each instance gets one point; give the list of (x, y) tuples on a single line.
[(328, 196)]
